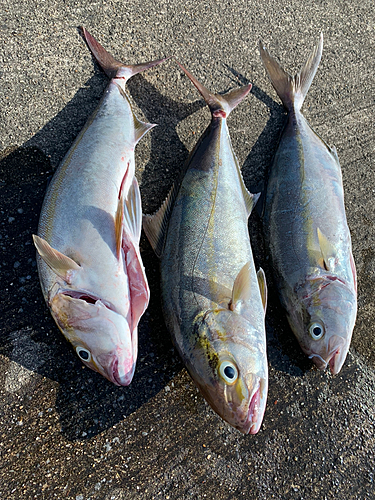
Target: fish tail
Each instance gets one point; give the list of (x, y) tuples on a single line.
[(112, 67), (220, 105), (292, 90)]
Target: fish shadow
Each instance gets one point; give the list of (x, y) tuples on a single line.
[(168, 153), (86, 403)]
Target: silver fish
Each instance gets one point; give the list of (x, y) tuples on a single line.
[(89, 261), (213, 300), (306, 227)]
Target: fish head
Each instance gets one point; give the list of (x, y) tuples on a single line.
[(323, 320), (100, 336), (228, 364)]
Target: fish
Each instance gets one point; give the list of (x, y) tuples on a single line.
[(89, 263), (213, 299), (306, 228)]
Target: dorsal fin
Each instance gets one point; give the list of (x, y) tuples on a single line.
[(110, 65), (155, 226), (220, 105), (250, 198), (140, 128)]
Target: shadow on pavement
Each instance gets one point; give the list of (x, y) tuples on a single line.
[(86, 402)]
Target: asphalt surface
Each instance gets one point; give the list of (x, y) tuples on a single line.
[(65, 432)]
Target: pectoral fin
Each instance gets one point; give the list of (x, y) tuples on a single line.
[(128, 218), (242, 288), (133, 211), (63, 266), (241, 292), (130, 233), (328, 250)]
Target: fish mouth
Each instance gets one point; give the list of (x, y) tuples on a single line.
[(333, 360), (122, 380), (109, 368), (335, 357), (255, 412), (253, 423)]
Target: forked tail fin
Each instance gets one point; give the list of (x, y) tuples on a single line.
[(292, 90), (110, 65), (220, 105)]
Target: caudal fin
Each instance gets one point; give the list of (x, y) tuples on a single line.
[(220, 105), (110, 65), (292, 90)]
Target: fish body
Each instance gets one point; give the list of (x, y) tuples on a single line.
[(306, 228), (212, 303), (89, 262)]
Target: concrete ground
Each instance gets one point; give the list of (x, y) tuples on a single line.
[(65, 432)]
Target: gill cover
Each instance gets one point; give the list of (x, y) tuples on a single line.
[(100, 336)]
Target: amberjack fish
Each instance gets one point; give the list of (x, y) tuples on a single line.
[(213, 300), (89, 261), (306, 228)]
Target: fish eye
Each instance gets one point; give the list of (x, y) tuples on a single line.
[(316, 331), (228, 372), (83, 353)]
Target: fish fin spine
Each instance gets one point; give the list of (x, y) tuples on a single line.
[(292, 90)]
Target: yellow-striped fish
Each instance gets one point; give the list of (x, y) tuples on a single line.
[(213, 299), (305, 225)]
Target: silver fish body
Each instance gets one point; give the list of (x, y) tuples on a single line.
[(306, 228), (89, 262), (211, 299)]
